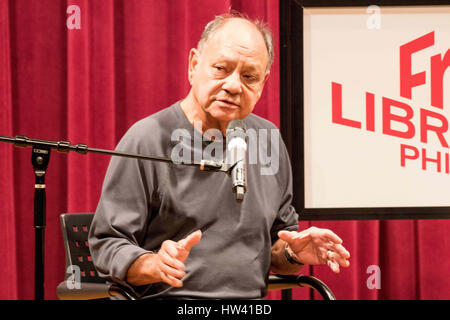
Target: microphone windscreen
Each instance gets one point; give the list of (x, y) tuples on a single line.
[(236, 129), (236, 124)]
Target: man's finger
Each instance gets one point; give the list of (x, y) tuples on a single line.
[(294, 238), (170, 260), (287, 236), (331, 236), (337, 258), (171, 280), (168, 270), (191, 240), (171, 249), (333, 266), (341, 250)]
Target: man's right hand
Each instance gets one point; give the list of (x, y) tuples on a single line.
[(167, 265)]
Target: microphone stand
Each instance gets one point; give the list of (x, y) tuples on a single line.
[(40, 158)]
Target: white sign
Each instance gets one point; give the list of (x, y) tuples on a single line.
[(377, 107)]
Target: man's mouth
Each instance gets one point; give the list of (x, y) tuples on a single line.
[(229, 103)]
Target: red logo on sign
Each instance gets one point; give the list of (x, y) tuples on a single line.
[(438, 65)]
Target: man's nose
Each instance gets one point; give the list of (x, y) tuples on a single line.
[(233, 84)]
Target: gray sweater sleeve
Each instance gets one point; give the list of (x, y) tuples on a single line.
[(287, 218), (119, 223)]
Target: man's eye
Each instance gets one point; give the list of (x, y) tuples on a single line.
[(219, 68), (249, 77)]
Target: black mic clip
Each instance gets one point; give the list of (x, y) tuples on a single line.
[(209, 165)]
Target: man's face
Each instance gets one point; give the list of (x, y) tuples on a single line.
[(228, 76)]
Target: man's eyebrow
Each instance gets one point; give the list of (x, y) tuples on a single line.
[(248, 67), (251, 67)]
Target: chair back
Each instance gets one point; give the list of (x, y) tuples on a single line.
[(75, 230)]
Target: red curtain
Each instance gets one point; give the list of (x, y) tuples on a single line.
[(129, 60)]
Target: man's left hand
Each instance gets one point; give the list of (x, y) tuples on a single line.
[(316, 246)]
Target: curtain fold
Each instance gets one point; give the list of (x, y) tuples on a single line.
[(129, 60), (8, 252), (38, 95), (91, 100)]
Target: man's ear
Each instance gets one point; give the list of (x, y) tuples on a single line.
[(193, 63), (263, 83)]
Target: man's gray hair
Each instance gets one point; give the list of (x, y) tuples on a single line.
[(220, 20)]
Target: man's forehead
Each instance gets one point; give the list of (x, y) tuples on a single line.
[(246, 40)]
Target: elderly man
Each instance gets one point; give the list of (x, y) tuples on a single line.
[(176, 231)]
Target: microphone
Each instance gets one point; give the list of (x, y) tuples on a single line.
[(237, 157)]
